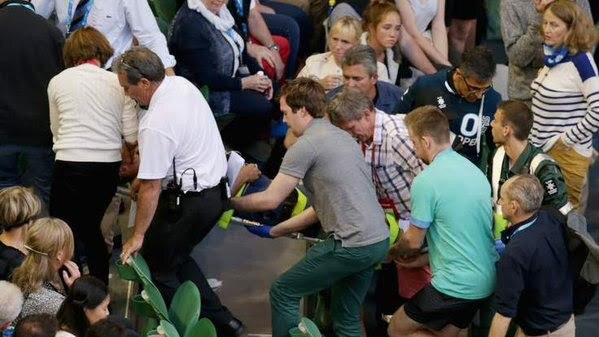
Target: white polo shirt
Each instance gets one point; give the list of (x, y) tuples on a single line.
[(180, 124)]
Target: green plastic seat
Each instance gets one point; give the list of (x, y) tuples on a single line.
[(185, 307), (306, 328), (136, 269), (143, 308), (164, 9), (151, 295), (202, 328), (167, 329)]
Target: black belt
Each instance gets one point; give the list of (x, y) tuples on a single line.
[(222, 185)]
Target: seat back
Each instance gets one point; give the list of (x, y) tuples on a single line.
[(167, 329), (185, 307), (164, 9), (202, 328), (152, 295)]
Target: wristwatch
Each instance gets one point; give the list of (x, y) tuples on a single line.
[(274, 47)]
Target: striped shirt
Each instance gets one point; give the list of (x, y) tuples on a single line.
[(565, 103), (393, 161)]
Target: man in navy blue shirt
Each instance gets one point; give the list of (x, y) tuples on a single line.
[(534, 281), (466, 97), (360, 73)]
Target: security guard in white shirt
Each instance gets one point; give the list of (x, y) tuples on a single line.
[(179, 188)]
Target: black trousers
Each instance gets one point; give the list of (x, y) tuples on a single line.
[(169, 242), (80, 194)]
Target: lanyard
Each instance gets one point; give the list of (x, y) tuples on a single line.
[(71, 12), (523, 227), (28, 6)]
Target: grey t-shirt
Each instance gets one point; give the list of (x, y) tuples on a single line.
[(338, 183)]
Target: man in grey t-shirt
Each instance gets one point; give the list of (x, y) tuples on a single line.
[(339, 185)]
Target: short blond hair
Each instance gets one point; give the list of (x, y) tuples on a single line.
[(45, 239), (582, 36), (347, 25), (18, 206), (429, 121)]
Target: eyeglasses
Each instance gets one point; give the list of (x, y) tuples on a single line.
[(472, 89)]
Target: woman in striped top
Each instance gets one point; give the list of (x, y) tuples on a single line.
[(565, 95)]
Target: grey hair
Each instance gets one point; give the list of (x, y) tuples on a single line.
[(361, 55), (348, 105), (138, 63), (526, 190), (12, 302)]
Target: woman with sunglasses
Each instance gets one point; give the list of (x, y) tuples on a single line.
[(565, 95)]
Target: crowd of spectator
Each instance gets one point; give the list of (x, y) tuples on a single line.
[(413, 159)]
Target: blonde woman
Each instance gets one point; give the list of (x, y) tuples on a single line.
[(326, 67), (19, 206), (49, 244), (565, 95)]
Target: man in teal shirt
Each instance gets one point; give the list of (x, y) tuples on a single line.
[(452, 208)]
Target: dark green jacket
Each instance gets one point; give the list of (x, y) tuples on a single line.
[(549, 174)]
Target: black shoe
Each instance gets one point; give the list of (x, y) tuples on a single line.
[(234, 328)]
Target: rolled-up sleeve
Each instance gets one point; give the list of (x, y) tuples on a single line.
[(423, 202), (510, 283), (146, 31)]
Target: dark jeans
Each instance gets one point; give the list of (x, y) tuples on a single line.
[(297, 30), (81, 192), (170, 240), (253, 114), (37, 171)]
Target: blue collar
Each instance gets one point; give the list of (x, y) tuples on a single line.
[(509, 232), (554, 56)]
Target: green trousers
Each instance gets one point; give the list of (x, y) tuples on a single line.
[(347, 271)]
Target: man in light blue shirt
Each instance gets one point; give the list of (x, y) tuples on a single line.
[(451, 207)]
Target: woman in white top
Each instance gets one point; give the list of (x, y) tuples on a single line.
[(383, 32), (89, 117), (326, 67), (86, 304), (416, 16)]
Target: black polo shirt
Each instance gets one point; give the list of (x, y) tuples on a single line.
[(534, 281)]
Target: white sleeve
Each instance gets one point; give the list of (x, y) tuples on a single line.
[(156, 153), (44, 7), (53, 108), (144, 27), (129, 120)]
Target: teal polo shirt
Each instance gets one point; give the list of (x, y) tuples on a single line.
[(451, 198)]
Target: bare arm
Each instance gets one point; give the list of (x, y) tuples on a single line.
[(425, 44), (439, 32), (499, 326), (295, 224), (267, 200), (260, 31), (417, 57), (409, 243), (147, 201)]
